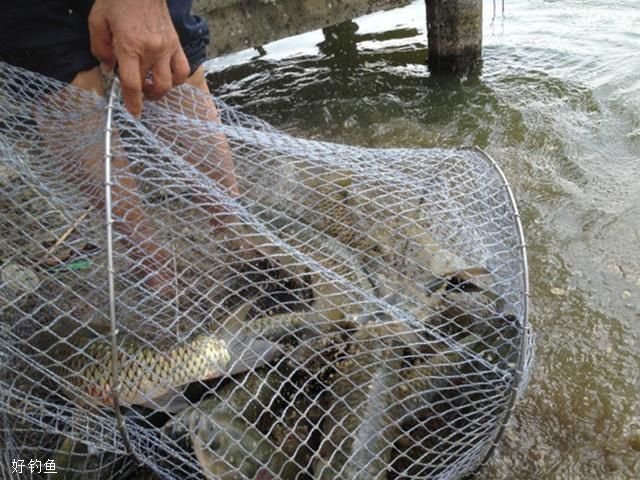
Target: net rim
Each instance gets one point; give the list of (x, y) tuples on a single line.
[(525, 341)]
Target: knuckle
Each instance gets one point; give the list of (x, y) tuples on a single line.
[(129, 86), (164, 85), (158, 90), (155, 43)]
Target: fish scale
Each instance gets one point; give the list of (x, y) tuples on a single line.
[(145, 372)]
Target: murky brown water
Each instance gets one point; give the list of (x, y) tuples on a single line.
[(557, 104)]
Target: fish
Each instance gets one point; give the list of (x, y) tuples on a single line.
[(339, 285), (325, 229), (358, 433), (331, 205), (222, 444), (389, 229), (374, 247), (442, 401), (241, 431), (145, 372), (378, 219), (424, 301), (378, 238), (150, 375), (354, 428), (488, 326), (278, 403), (230, 448), (403, 264)]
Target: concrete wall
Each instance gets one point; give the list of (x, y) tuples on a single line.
[(240, 24)]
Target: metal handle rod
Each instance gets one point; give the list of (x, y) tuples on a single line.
[(108, 155)]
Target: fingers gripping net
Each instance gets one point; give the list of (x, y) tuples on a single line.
[(284, 308)]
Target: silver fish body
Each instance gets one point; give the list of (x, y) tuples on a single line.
[(358, 430)]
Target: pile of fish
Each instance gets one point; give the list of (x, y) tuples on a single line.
[(360, 347)]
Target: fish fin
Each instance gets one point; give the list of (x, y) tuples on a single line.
[(470, 273), (170, 402), (248, 354), (237, 319), (467, 279)]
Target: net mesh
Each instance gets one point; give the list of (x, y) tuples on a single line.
[(284, 308)]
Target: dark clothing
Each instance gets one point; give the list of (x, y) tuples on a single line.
[(41, 23), (192, 30), (51, 37), (61, 62)]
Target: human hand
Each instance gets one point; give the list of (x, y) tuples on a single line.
[(140, 37)]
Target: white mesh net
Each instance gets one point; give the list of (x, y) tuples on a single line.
[(317, 311)]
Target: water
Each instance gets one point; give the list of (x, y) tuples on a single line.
[(557, 104)]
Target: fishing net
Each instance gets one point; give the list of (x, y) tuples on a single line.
[(182, 297)]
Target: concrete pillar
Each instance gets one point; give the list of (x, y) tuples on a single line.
[(454, 33)]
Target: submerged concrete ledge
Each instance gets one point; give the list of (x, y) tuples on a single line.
[(239, 24)]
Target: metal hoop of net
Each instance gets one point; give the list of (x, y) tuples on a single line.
[(226, 301)]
